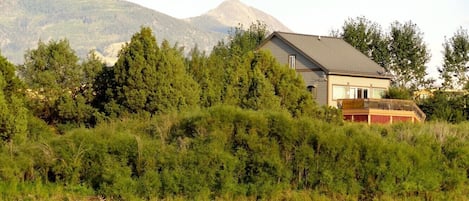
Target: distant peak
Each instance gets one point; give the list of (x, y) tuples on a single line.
[(231, 13), (229, 5)]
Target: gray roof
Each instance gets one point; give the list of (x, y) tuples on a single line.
[(333, 55)]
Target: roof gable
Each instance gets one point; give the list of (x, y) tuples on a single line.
[(333, 55)]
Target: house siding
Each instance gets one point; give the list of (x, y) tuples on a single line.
[(349, 81), (311, 73)]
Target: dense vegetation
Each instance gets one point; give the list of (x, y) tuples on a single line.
[(228, 153), (230, 125)]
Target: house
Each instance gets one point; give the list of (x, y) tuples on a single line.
[(333, 71)]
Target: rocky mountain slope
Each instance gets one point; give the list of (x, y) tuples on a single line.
[(231, 13), (107, 24)]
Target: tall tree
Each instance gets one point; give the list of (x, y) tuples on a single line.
[(13, 85), (50, 71), (58, 85), (409, 55), (456, 60), (367, 37), (77, 108), (13, 113), (151, 78), (236, 74)]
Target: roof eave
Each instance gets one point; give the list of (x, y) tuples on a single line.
[(364, 75)]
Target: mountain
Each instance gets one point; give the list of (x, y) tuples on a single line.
[(89, 24), (106, 25), (231, 13)]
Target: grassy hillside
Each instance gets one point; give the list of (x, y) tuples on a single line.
[(88, 24), (225, 153)]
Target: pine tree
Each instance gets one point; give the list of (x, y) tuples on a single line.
[(149, 78)]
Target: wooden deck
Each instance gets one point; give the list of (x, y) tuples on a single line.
[(380, 110)]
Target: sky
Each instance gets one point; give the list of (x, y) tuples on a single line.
[(436, 19)]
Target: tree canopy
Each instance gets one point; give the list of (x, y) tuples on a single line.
[(13, 113), (401, 52), (455, 61), (409, 55), (368, 38), (151, 78)]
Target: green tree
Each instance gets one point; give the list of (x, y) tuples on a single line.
[(398, 93), (367, 37), (13, 85), (445, 106), (287, 85), (13, 114), (235, 73), (59, 87), (50, 71), (409, 55), (152, 78), (456, 60), (244, 40), (203, 70), (92, 68)]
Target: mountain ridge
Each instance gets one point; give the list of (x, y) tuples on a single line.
[(87, 25), (231, 13)]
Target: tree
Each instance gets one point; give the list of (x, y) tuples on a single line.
[(13, 114), (150, 78), (446, 106), (456, 60), (367, 37), (408, 56), (13, 85), (59, 88), (398, 93), (235, 73), (288, 87), (242, 41), (225, 75), (50, 71)]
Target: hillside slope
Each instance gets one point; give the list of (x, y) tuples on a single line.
[(107, 24), (231, 13), (89, 24)]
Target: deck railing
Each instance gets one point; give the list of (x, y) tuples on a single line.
[(382, 104)]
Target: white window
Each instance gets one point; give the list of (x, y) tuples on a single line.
[(378, 93), (357, 92), (292, 61), (338, 92)]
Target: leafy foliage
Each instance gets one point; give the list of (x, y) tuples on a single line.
[(446, 106), (456, 61), (368, 38), (57, 84), (228, 126), (398, 93), (13, 114), (238, 74), (401, 52), (409, 55), (152, 78), (229, 153)]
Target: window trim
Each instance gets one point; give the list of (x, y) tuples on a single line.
[(345, 91), (313, 90), (359, 91), (292, 61)]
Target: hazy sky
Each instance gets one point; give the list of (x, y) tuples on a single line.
[(435, 18)]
